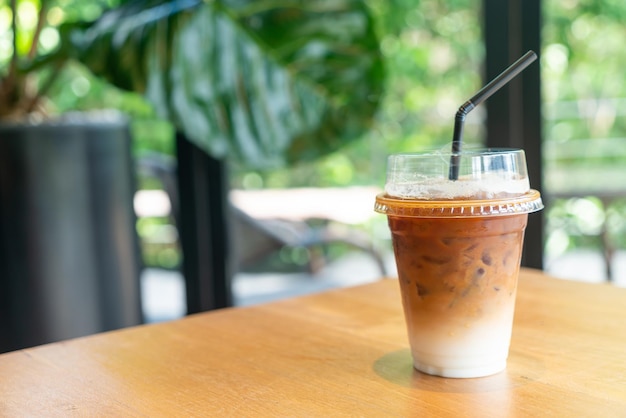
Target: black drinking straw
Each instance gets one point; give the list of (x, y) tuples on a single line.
[(484, 93)]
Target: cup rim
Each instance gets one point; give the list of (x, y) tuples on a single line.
[(423, 208)]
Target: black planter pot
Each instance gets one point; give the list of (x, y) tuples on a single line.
[(69, 255)]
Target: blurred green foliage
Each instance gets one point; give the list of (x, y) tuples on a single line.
[(76, 89), (159, 242), (434, 53), (584, 92)]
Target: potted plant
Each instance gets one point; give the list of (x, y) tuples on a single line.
[(69, 262), (262, 83)]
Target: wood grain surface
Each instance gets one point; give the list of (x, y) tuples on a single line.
[(342, 353)]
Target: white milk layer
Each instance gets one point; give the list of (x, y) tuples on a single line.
[(475, 349), (488, 186)]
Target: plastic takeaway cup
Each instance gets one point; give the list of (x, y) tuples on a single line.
[(458, 247)]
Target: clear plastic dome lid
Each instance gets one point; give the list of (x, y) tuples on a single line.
[(490, 182)]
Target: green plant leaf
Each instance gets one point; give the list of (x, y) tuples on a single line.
[(261, 81)]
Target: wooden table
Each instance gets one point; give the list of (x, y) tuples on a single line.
[(341, 353)]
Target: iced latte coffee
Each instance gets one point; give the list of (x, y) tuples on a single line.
[(458, 246)]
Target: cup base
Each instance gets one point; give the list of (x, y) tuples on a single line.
[(463, 373)]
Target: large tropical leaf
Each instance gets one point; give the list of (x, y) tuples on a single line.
[(264, 81)]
